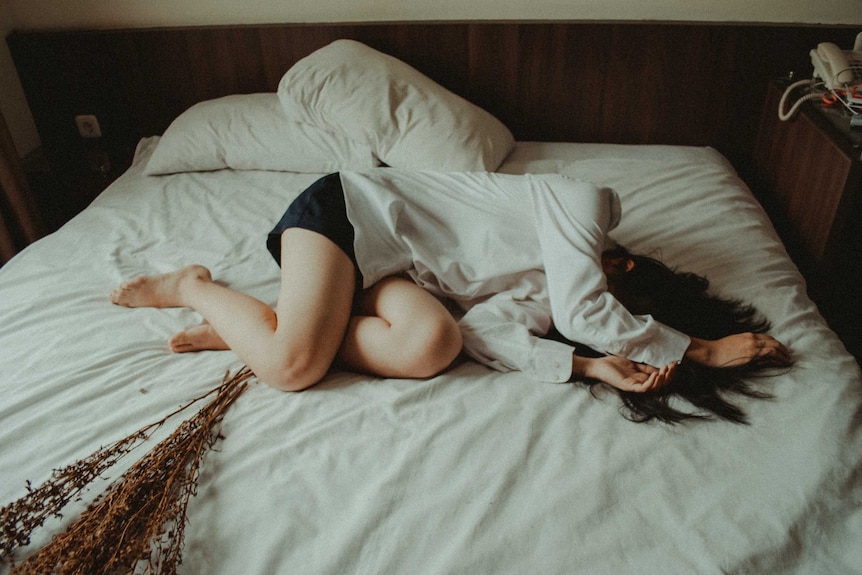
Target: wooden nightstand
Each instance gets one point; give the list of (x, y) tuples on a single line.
[(810, 176)]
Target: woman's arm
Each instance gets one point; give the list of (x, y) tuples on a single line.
[(731, 351), (572, 221), (503, 333)]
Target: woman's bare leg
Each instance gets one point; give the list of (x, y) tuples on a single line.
[(291, 347), (400, 331)]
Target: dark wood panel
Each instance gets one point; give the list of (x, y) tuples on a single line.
[(813, 181), (699, 84)]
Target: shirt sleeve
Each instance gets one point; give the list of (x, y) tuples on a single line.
[(501, 333), (573, 219)]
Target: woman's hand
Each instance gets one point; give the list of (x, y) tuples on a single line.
[(738, 350), (623, 374)]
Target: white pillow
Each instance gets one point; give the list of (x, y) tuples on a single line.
[(411, 121), (251, 132)]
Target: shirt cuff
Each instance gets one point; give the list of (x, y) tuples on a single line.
[(663, 346), (552, 361)]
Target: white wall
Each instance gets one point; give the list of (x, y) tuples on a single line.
[(39, 14), (143, 13)]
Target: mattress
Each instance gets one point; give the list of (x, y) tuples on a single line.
[(473, 471)]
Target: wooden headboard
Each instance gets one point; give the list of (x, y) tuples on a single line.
[(641, 83)]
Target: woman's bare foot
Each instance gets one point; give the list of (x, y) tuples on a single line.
[(199, 338), (161, 291)]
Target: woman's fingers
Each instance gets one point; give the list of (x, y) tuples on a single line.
[(770, 350), (743, 348), (630, 376), (657, 379)]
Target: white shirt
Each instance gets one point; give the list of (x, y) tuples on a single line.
[(518, 254)]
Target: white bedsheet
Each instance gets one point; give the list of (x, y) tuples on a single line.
[(470, 472)]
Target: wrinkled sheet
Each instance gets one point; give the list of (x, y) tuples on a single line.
[(470, 472)]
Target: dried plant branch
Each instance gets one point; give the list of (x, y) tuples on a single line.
[(141, 517)]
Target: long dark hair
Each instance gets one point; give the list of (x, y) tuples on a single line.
[(681, 300)]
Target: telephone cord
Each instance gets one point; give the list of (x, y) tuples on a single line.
[(784, 116)]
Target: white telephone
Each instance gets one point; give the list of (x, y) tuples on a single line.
[(838, 69), (837, 78)]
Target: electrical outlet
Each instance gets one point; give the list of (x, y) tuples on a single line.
[(88, 126)]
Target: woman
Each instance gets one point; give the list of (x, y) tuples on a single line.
[(365, 256)]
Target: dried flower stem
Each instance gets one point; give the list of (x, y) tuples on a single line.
[(140, 517)]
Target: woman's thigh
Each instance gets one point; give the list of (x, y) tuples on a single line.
[(315, 299), (400, 330)]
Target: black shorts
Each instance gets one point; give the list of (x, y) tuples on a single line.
[(320, 208)]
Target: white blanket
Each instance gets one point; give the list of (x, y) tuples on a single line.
[(470, 472)]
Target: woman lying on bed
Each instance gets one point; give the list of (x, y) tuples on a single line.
[(367, 257)]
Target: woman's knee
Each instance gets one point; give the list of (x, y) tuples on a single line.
[(296, 361), (421, 337), (295, 373), (431, 345)]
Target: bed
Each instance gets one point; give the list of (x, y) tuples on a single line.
[(473, 471)]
